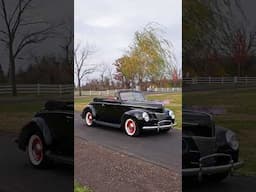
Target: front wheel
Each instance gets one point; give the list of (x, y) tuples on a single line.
[(131, 128), (36, 151), (165, 130), (218, 177)]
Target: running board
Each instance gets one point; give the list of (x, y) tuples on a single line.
[(59, 158), (107, 124)]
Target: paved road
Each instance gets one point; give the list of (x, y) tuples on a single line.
[(16, 175), (163, 149)]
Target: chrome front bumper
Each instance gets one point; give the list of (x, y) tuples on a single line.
[(201, 170), (159, 126)]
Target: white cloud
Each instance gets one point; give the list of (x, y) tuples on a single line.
[(110, 24)]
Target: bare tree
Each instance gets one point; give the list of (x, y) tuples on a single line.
[(16, 22), (82, 67), (67, 47)]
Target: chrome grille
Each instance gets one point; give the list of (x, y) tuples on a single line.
[(206, 145), (160, 116)]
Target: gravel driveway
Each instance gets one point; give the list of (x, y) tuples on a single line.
[(105, 170)]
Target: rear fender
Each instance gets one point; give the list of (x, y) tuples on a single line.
[(37, 123), (91, 108)]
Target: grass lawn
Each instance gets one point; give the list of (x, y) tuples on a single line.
[(172, 101), (17, 111), (80, 188), (240, 116)]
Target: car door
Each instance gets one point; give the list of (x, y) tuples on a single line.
[(61, 124), (100, 110), (111, 112)]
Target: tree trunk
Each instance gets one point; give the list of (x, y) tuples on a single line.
[(79, 86), (239, 69), (12, 71)]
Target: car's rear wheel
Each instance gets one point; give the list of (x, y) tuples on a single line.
[(88, 118), (131, 128), (36, 150)]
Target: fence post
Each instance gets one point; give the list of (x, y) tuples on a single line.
[(60, 89), (38, 89), (235, 80)]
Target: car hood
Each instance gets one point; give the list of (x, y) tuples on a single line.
[(150, 105)]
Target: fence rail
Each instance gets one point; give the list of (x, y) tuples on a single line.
[(38, 89), (112, 92), (220, 80)]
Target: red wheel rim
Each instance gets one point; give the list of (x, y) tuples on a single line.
[(130, 127), (37, 149), (89, 118)]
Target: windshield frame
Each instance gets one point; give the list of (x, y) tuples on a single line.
[(133, 96)]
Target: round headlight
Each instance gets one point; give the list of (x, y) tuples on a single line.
[(171, 114), (232, 140), (145, 116)]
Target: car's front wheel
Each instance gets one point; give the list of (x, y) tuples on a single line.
[(218, 177), (165, 130), (131, 128), (36, 150)]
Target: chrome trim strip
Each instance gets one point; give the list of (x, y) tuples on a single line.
[(201, 170), (212, 169), (171, 125)]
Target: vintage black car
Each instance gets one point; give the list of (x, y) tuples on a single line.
[(208, 151), (49, 136), (130, 111)]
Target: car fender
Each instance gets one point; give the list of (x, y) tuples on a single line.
[(91, 108), (40, 122), (35, 124), (135, 113), (220, 135)]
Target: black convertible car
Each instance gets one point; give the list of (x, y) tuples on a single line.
[(208, 151), (49, 136), (130, 111)]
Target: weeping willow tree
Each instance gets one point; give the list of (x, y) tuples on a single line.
[(149, 58)]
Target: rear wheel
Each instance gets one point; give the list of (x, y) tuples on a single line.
[(36, 150), (131, 128), (88, 118)]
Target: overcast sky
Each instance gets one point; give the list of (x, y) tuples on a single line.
[(109, 25)]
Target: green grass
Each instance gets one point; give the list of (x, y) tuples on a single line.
[(17, 111), (172, 100), (240, 116), (80, 188)]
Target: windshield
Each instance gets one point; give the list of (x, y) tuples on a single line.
[(132, 96)]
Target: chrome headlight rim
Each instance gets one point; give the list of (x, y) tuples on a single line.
[(171, 114), (232, 140), (145, 116)]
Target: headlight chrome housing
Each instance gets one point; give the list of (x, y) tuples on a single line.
[(171, 114), (145, 116), (232, 140)]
